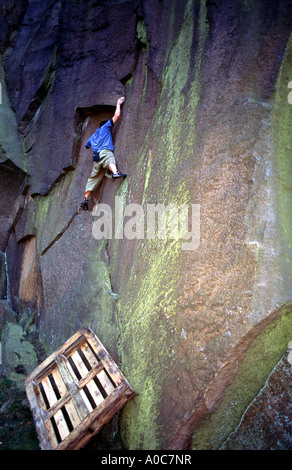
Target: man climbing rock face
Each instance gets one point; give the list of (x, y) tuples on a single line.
[(104, 162)]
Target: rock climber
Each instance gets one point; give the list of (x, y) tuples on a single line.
[(104, 162)]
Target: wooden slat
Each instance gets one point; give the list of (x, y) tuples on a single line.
[(47, 441), (99, 417), (69, 406), (74, 346), (58, 416), (93, 361), (68, 378), (80, 391), (105, 382), (44, 373), (92, 387), (102, 376), (47, 364), (57, 406), (91, 374), (47, 418), (104, 357)]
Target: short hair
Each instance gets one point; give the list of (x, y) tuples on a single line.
[(102, 123)]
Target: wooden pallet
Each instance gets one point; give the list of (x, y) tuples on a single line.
[(75, 392)]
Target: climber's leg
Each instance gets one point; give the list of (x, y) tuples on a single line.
[(93, 182), (113, 168), (108, 161)]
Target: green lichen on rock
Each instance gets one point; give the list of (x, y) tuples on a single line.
[(142, 32), (281, 152), (261, 356), (148, 310), (176, 112), (149, 296), (19, 357)]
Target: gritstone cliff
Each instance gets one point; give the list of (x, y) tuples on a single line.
[(206, 121)]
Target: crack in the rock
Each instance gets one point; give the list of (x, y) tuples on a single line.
[(111, 290), (57, 237)]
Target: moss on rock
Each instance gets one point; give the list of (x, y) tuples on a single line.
[(282, 168), (18, 355), (261, 356)]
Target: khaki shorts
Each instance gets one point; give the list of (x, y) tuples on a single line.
[(100, 169)]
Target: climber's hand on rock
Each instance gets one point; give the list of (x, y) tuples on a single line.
[(118, 109), (121, 100)]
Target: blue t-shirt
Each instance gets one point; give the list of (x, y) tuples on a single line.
[(102, 138)]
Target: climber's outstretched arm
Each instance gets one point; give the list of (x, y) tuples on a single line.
[(118, 109)]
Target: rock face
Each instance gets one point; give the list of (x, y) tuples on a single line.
[(206, 123), (262, 425)]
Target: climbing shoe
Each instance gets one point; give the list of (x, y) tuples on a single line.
[(119, 175), (84, 205)]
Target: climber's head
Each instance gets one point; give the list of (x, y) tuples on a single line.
[(102, 123)]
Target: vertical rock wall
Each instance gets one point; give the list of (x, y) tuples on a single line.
[(206, 121)]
